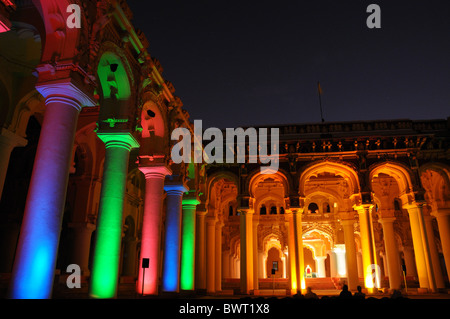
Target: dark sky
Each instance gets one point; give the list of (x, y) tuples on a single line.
[(248, 63)]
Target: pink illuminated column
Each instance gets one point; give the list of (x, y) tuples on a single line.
[(151, 228), (34, 265)]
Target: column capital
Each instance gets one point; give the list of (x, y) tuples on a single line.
[(320, 258), (156, 171), (386, 220), (245, 211), (201, 210), (118, 139), (441, 212), (211, 220), (363, 207), (65, 91), (175, 188), (187, 201)]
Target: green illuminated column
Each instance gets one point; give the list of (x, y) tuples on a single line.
[(105, 268), (188, 243)]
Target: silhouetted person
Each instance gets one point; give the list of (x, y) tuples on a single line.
[(359, 294), (345, 294), (309, 294)]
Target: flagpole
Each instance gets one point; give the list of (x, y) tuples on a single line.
[(319, 90)]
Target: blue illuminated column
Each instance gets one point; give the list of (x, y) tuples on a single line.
[(37, 249), (171, 263)]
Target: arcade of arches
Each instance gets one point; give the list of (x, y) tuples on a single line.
[(86, 178)]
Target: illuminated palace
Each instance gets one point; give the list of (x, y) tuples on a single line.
[(87, 180)]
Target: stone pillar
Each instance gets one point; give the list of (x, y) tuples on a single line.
[(246, 230), (262, 267), (226, 264), (421, 248), (368, 246), (151, 227), (106, 258), (320, 262), (34, 266), (443, 220), (172, 242), (392, 255), (188, 252), (438, 277), (218, 257), (210, 254), (350, 254), (360, 265), (255, 253), (81, 244), (340, 260), (8, 141), (333, 265), (408, 253), (200, 258), (295, 251)]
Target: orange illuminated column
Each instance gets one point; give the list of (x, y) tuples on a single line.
[(295, 251), (350, 253), (421, 249), (291, 251), (299, 250), (218, 257), (439, 279), (246, 230), (393, 262), (200, 246), (255, 252), (151, 227), (210, 254), (443, 220), (370, 268)]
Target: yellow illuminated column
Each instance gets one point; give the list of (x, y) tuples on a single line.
[(291, 252), (200, 261), (246, 230), (368, 246), (218, 257), (439, 279), (299, 250), (443, 220), (210, 254), (392, 256), (255, 253), (350, 254), (420, 243), (408, 254)]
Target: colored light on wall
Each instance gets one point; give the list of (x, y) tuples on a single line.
[(188, 245)]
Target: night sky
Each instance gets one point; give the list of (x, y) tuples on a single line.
[(253, 63)]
